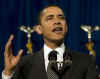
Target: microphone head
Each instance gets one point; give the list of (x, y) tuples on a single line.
[(67, 55), (52, 56)]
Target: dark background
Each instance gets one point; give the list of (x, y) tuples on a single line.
[(14, 13)]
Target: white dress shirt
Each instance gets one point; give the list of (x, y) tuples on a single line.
[(47, 50)]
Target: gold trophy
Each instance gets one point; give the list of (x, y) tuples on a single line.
[(89, 30), (29, 31)]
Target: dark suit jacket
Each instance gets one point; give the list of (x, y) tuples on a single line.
[(33, 67)]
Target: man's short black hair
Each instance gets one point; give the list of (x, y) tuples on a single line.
[(40, 13)]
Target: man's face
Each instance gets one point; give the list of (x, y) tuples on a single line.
[(53, 24)]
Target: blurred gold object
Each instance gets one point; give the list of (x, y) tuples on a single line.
[(29, 46), (90, 45), (29, 31)]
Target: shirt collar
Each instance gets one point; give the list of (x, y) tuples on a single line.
[(59, 49)]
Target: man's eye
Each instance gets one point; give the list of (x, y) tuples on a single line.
[(49, 18), (62, 17)]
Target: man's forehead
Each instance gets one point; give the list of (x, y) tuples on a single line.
[(52, 10)]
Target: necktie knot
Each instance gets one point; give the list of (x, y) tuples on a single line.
[(52, 55)]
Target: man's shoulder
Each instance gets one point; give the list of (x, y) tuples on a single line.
[(79, 56)]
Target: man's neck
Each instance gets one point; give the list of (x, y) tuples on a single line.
[(53, 45)]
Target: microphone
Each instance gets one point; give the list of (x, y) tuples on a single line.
[(60, 67), (52, 56), (67, 58), (53, 60), (67, 61)]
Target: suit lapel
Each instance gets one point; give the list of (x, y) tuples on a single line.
[(41, 65), (38, 70)]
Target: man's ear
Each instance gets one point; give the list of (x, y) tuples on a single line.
[(38, 29)]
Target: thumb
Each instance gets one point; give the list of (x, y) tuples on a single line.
[(20, 54)]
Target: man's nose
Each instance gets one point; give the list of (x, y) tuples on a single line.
[(57, 23)]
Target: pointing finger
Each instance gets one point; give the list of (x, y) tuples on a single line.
[(8, 45)]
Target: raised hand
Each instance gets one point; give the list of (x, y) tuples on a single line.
[(10, 59)]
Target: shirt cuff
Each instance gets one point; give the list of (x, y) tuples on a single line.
[(6, 76)]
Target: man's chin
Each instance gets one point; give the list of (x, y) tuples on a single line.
[(57, 40)]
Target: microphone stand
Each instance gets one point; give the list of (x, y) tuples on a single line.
[(64, 66)]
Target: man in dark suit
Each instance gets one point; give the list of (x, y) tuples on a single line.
[(53, 26)]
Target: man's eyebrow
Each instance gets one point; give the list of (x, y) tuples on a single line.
[(50, 15), (53, 15)]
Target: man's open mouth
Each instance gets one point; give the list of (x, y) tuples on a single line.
[(58, 29)]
